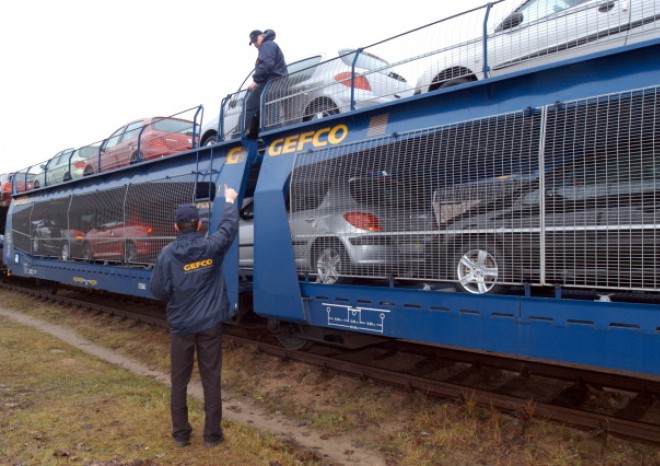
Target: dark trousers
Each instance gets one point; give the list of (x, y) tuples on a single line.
[(208, 345), (252, 107)]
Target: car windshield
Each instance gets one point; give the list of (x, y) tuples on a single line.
[(172, 125)]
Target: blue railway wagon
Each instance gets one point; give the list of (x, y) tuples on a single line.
[(412, 304)]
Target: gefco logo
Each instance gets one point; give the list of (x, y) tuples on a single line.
[(198, 265), (236, 155), (310, 139), (84, 281)]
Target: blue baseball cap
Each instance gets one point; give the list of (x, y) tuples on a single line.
[(186, 213), (253, 36)]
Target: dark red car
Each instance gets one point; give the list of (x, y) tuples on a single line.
[(157, 137), (131, 241)]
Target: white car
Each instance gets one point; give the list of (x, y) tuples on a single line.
[(64, 166), (536, 32), (315, 87)]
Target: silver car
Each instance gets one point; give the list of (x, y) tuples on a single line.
[(536, 32), (64, 166), (368, 227), (314, 88)]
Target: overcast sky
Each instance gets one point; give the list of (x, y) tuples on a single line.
[(73, 71)]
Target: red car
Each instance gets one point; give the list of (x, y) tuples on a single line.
[(158, 137), (133, 241), (23, 183)]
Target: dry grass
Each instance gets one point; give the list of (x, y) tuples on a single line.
[(60, 406), (407, 429)]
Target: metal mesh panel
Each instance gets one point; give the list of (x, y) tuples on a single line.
[(601, 210), (395, 209), (127, 225), (468, 203)]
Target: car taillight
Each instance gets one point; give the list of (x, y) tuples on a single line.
[(150, 230), (363, 221), (79, 165), (361, 82), (7, 188)]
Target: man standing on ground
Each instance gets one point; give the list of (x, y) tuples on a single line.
[(188, 275), (270, 65)]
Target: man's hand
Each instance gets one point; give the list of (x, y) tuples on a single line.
[(230, 194)]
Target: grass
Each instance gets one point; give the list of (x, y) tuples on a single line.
[(406, 428), (60, 406)]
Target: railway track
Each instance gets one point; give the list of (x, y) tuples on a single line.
[(616, 404)]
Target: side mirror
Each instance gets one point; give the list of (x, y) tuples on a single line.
[(511, 21)]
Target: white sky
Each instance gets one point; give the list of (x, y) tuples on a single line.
[(73, 71)]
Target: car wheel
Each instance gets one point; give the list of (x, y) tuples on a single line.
[(36, 184), (65, 252), (88, 171), (87, 252), (134, 158), (318, 110), (66, 177), (210, 140), (331, 263), (480, 270), (131, 252)]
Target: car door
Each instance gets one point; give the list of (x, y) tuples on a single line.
[(126, 149), (109, 151), (57, 167), (550, 30)]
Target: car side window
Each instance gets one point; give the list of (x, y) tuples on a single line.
[(539, 9), (114, 138), (132, 131)]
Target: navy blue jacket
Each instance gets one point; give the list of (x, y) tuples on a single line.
[(270, 62), (188, 275)]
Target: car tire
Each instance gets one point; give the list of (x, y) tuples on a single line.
[(441, 83), (88, 171), (320, 109), (87, 252), (36, 184), (331, 263), (134, 158), (479, 270), (66, 177), (210, 140)]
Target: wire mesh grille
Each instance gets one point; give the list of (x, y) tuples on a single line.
[(601, 212), (564, 194), (393, 209), (125, 225)]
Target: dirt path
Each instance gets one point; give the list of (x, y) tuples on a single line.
[(337, 450)]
